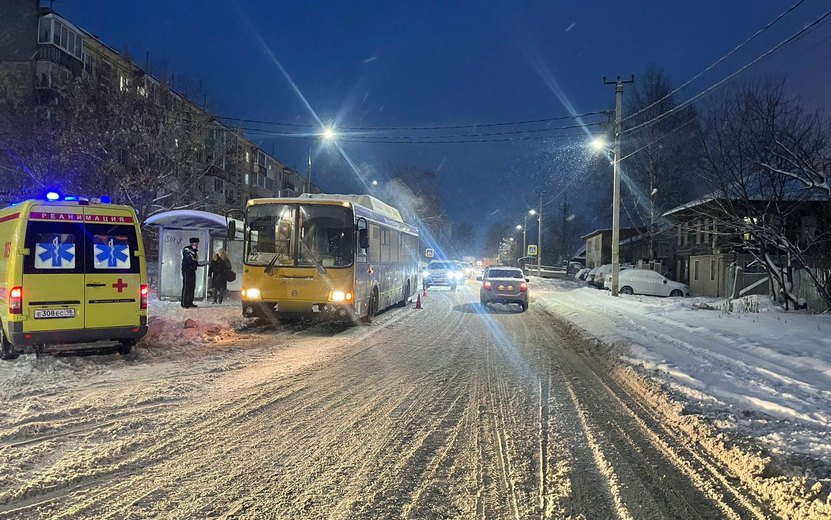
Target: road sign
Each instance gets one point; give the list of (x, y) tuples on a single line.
[(532, 250), (428, 253)]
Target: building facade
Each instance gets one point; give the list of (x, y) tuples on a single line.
[(42, 53)]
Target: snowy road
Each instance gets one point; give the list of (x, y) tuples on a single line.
[(445, 412)]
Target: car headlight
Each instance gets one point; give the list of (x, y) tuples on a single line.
[(460, 275), (251, 294), (426, 274)]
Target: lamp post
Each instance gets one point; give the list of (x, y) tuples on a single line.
[(327, 135), (524, 229)]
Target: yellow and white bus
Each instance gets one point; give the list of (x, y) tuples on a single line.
[(340, 256)]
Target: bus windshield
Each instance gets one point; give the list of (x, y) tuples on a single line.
[(302, 235)]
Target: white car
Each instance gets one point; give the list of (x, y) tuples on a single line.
[(646, 281)]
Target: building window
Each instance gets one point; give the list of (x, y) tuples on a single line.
[(247, 156), (695, 270), (247, 178), (712, 269), (45, 31), (219, 186), (62, 36), (698, 232)]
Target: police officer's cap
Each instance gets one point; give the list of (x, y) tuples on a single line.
[(194, 240)]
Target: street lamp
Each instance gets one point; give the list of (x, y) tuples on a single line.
[(524, 229), (327, 134)]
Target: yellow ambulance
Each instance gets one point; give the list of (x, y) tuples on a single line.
[(72, 276)]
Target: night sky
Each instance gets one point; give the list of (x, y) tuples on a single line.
[(378, 63)]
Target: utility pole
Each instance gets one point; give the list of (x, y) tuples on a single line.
[(563, 240), (539, 240), (616, 189), (309, 173)]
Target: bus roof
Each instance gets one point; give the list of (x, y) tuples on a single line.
[(367, 201)]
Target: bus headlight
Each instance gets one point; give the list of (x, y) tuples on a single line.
[(251, 294), (341, 296)]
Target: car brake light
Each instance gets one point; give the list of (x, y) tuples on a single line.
[(16, 300), (523, 286), (487, 285), (144, 292)]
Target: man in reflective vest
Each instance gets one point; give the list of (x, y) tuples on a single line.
[(190, 261)]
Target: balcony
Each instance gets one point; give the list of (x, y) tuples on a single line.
[(51, 53)]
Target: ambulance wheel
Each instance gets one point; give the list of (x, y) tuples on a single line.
[(124, 347), (7, 350)]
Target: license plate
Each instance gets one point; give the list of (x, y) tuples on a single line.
[(54, 313)]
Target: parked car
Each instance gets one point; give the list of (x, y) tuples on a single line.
[(591, 274), (646, 281), (604, 272), (581, 274), (573, 268), (440, 272), (504, 284)]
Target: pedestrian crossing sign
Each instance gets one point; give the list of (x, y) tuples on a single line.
[(532, 250)]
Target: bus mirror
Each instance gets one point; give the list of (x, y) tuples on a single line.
[(232, 230), (363, 238)]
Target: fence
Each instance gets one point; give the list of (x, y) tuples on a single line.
[(738, 283)]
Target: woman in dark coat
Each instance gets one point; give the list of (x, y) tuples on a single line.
[(218, 273)]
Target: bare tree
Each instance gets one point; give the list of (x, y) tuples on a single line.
[(139, 142), (764, 156), (659, 156)]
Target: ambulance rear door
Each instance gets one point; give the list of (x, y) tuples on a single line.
[(53, 269), (113, 270)]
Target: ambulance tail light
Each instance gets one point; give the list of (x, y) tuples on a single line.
[(144, 292), (16, 300)]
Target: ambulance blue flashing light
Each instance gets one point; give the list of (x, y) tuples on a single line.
[(53, 195), (106, 199)]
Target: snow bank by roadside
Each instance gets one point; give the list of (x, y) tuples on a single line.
[(174, 333), (764, 374)]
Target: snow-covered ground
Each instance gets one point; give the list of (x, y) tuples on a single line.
[(753, 370)]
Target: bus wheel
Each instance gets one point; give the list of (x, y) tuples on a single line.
[(7, 350), (403, 302), (373, 306)]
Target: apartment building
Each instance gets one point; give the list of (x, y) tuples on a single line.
[(43, 52)]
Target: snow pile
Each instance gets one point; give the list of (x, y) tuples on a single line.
[(733, 376), (173, 329), (750, 368)]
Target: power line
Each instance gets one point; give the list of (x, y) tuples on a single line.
[(647, 145), (710, 67), (703, 93), (457, 141), (437, 127)]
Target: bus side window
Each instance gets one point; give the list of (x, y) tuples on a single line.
[(361, 257), (394, 246), (374, 243)]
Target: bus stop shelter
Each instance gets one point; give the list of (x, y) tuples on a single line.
[(175, 230)]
